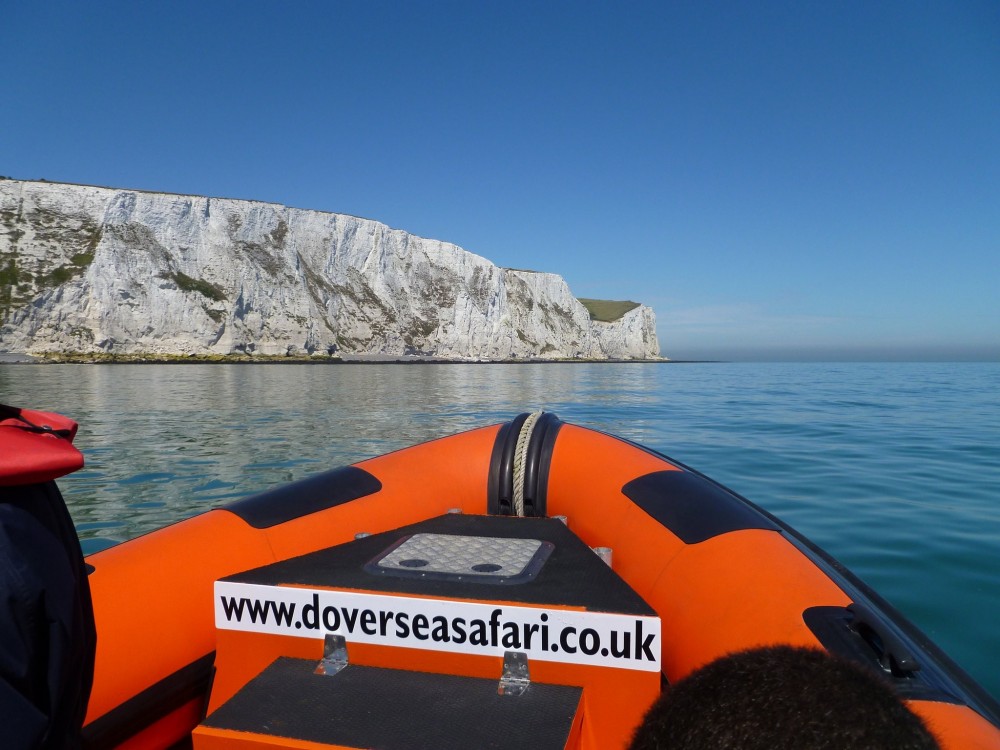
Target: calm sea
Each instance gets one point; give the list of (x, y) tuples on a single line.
[(892, 468)]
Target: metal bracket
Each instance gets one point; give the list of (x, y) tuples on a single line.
[(515, 679), (334, 655), (604, 553)]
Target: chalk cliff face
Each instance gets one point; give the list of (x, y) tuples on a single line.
[(88, 269)]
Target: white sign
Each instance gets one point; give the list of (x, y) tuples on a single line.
[(558, 635)]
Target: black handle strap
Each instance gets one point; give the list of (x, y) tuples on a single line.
[(12, 412)]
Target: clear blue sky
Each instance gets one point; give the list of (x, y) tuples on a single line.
[(797, 180)]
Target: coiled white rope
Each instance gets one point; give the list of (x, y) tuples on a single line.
[(520, 456)]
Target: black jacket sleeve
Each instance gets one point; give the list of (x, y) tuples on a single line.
[(47, 635)]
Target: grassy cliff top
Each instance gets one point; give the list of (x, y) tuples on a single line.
[(607, 310)]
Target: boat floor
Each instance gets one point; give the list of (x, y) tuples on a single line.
[(374, 707)]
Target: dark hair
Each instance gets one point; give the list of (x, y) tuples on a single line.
[(781, 697)]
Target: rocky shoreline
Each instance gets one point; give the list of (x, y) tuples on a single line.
[(237, 359)]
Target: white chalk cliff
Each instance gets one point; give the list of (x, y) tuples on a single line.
[(89, 269)]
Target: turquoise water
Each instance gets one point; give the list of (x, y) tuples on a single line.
[(892, 468)]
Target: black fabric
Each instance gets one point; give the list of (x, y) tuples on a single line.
[(373, 707), (693, 507), (47, 634), (309, 495)]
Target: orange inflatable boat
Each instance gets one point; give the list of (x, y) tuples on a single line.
[(531, 584)]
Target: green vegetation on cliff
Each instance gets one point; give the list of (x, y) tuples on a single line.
[(205, 288), (606, 310)]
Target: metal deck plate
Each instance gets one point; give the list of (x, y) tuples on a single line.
[(572, 575), (467, 558)]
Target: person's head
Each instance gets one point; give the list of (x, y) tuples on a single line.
[(781, 697)]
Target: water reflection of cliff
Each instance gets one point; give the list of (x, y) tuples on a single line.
[(163, 442)]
